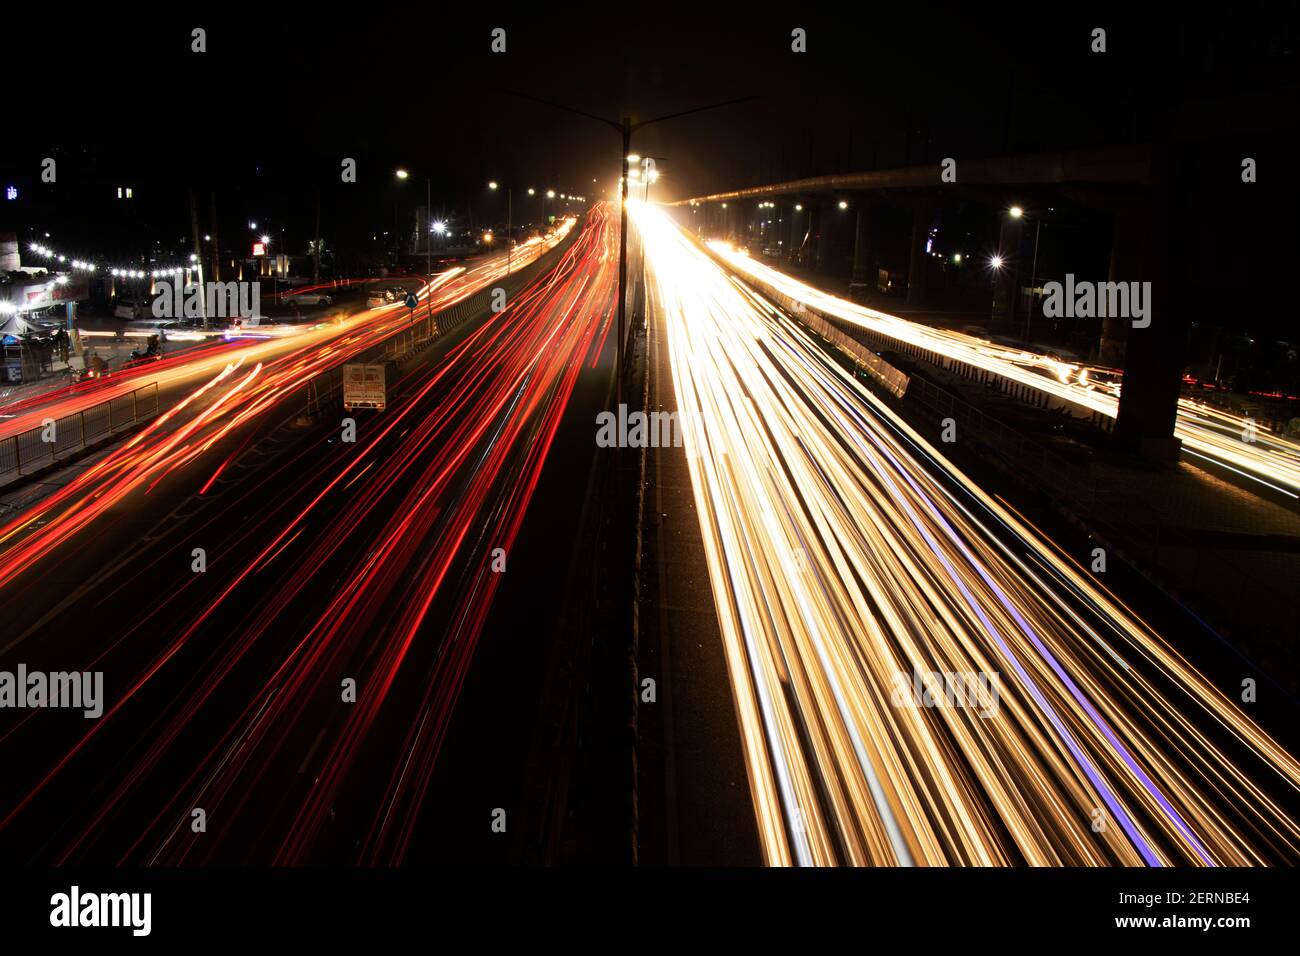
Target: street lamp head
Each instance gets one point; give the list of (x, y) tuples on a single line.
[(492, 185), (633, 157), (402, 174), (798, 207), (267, 240), (996, 262), (843, 204), (531, 191), (1016, 212), (550, 194)]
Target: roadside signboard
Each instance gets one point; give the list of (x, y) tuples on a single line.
[(363, 386), (47, 292)]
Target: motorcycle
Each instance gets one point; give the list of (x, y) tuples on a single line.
[(150, 354), (139, 356), (88, 374)]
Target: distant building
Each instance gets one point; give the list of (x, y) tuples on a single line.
[(9, 259)]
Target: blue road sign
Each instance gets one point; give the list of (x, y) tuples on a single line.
[(411, 301)]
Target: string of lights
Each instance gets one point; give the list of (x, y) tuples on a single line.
[(119, 272)]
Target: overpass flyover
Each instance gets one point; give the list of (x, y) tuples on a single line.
[(1135, 184)]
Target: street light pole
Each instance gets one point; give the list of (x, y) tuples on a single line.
[(510, 231), (625, 129), (428, 223), (1033, 279), (996, 265)]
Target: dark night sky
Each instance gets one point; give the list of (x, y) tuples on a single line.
[(266, 115)]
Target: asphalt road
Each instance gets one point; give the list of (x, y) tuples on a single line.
[(327, 561)]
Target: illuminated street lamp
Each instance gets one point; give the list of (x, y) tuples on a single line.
[(428, 212), (995, 263), (1018, 212), (510, 234), (626, 128)]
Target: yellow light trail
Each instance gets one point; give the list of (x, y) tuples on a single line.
[(852, 567), (1211, 433)]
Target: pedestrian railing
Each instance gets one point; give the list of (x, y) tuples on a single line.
[(56, 439)]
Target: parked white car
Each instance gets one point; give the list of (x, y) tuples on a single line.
[(133, 311), (311, 298)]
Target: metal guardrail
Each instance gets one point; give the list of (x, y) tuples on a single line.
[(1051, 470), (889, 377), (56, 439), (1098, 507), (1022, 392)]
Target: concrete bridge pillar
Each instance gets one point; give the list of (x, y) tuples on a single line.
[(1125, 248), (1156, 347), (825, 234), (798, 229), (916, 264), (864, 255)]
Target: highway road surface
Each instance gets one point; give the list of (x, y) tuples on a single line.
[(920, 677), (1207, 433), (297, 688)]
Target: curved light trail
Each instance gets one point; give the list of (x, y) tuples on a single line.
[(1207, 432), (854, 569), (336, 576)]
